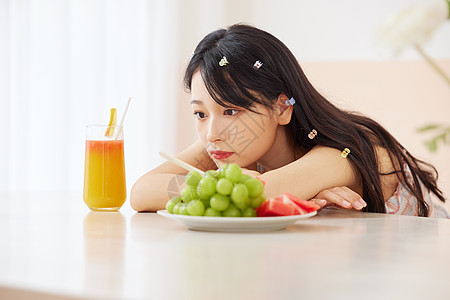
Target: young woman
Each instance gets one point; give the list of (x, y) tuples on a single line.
[(254, 106)]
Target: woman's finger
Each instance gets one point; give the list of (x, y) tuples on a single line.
[(350, 196), (321, 202), (331, 196)]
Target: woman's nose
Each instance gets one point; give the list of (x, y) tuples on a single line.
[(216, 131)]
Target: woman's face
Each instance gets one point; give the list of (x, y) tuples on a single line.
[(231, 134)]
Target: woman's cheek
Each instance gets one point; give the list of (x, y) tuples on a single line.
[(200, 132)]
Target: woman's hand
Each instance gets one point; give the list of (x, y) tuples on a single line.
[(340, 196)]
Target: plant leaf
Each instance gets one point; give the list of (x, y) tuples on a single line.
[(431, 145), (429, 127)]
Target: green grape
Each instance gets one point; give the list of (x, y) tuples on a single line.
[(231, 211), (212, 173), (257, 201), (255, 187), (206, 187), (224, 186), (239, 193), (244, 178), (171, 203), (193, 178), (242, 205), (221, 171), (211, 212), (222, 192), (233, 173), (176, 208), (206, 202), (249, 212), (189, 193), (201, 195), (219, 202), (183, 209), (195, 208)]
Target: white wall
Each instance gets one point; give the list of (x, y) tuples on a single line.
[(312, 29), (339, 30)]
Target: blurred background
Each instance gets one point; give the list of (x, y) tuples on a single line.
[(65, 63)]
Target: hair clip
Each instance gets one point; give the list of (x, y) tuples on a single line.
[(290, 101), (223, 62), (257, 64), (312, 134), (345, 153)]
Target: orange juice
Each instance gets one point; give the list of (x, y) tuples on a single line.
[(104, 175)]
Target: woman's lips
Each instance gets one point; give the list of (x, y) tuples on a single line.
[(217, 154)]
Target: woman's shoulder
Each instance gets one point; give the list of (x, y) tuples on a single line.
[(320, 150), (330, 158), (331, 163), (388, 167)]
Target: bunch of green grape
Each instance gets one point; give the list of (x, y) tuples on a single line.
[(225, 192)]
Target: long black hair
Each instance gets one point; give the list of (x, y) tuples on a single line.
[(241, 84)]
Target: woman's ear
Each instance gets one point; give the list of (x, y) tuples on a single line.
[(285, 111)]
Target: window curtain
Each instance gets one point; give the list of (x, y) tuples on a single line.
[(64, 65)]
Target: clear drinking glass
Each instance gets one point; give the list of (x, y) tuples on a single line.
[(104, 169)]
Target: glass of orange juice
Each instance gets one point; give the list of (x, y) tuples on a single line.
[(104, 169)]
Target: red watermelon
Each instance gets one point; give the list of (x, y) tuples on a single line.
[(286, 205)]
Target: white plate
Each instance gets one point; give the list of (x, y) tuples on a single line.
[(227, 224)]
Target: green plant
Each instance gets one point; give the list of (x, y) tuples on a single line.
[(440, 135)]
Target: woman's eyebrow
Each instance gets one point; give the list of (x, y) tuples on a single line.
[(196, 102)]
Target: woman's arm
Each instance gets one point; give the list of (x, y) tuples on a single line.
[(322, 168), (314, 176), (151, 191)]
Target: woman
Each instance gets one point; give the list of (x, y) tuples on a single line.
[(254, 106)]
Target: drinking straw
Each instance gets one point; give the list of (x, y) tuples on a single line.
[(121, 121), (180, 163)]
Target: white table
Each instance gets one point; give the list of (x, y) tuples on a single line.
[(53, 247)]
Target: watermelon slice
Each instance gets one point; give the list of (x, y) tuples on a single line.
[(278, 207), (307, 206), (286, 205)]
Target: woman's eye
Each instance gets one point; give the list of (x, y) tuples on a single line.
[(199, 115), (231, 112)]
